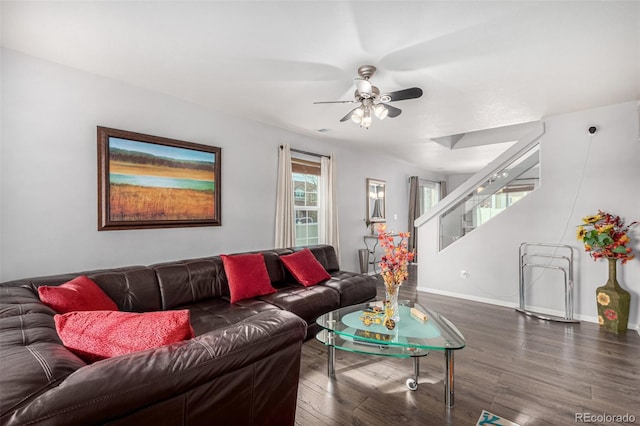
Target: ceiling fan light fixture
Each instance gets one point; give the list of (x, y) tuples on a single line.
[(357, 114), (366, 118), (380, 111)]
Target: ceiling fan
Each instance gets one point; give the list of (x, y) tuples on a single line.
[(371, 101)]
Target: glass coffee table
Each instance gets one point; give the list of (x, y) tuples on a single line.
[(360, 329)]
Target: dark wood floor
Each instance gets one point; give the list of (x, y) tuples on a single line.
[(526, 370)]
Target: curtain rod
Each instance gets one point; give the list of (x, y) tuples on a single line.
[(313, 154)]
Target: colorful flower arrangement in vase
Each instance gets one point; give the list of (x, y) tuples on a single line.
[(605, 236), (393, 269)]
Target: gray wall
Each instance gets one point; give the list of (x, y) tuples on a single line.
[(551, 214), (48, 170)]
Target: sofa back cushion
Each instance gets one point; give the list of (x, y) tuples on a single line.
[(189, 281), (192, 280), (275, 268), (132, 288)]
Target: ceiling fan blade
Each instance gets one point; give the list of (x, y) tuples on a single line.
[(393, 111), (335, 102), (348, 116), (401, 95)]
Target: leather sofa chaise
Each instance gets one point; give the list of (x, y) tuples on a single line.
[(241, 368)]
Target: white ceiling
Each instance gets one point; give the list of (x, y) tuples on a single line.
[(480, 64)]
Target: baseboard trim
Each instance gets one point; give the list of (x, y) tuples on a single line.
[(497, 302)]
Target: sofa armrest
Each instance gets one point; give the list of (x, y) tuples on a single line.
[(119, 387)]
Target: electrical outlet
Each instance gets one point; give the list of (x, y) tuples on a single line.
[(464, 274)]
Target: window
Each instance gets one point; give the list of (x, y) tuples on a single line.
[(306, 179), (306, 200), (428, 194)]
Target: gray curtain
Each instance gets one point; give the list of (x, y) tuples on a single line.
[(414, 213)]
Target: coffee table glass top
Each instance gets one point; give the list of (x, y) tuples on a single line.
[(410, 337)]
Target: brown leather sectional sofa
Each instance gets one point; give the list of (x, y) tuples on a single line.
[(242, 368)]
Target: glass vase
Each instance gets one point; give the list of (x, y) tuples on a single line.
[(391, 303)]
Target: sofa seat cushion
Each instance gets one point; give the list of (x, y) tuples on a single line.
[(306, 302), (353, 288), (212, 314)]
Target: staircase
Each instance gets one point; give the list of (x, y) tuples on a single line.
[(501, 184), (462, 249)]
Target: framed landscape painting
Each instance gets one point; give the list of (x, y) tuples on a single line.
[(147, 181)]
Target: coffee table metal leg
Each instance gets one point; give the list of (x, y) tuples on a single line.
[(448, 381), (331, 362), (412, 382)]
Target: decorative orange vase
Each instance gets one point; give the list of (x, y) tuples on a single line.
[(613, 303)]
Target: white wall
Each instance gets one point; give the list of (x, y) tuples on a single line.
[(48, 167), (454, 181), (611, 182)]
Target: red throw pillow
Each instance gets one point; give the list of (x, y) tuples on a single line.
[(247, 276), (305, 268), (96, 335), (79, 294)]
